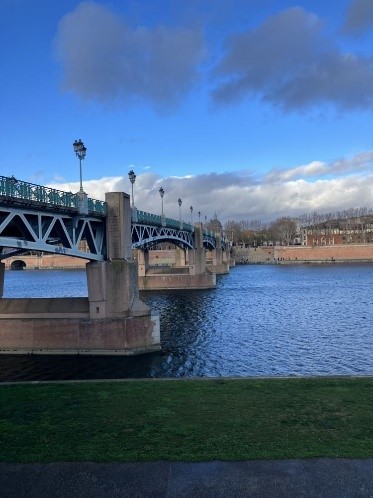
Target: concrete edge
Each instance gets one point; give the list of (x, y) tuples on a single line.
[(183, 379)]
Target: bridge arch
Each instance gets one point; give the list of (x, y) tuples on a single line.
[(208, 244), (18, 264), (153, 241)]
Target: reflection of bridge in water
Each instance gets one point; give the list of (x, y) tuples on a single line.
[(37, 218)]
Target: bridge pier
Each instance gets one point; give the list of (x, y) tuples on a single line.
[(112, 320), (142, 261), (197, 256), (180, 257), (2, 276), (113, 290), (194, 277), (220, 264)]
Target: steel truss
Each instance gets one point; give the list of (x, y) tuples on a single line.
[(209, 242), (58, 233), (145, 236)]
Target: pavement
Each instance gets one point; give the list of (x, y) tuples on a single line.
[(309, 478)]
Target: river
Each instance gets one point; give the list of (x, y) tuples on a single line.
[(259, 321)]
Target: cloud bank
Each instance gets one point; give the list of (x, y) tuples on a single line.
[(238, 195)]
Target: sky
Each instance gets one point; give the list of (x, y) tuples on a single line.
[(250, 109)]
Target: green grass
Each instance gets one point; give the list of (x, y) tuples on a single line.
[(187, 420)]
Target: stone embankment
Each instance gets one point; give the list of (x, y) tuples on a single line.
[(44, 262), (305, 254), (254, 255)]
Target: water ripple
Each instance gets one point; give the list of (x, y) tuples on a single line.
[(260, 320)]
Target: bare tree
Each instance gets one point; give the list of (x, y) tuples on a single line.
[(285, 230)]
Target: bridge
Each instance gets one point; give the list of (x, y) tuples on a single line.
[(37, 218)]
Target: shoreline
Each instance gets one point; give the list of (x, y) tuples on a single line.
[(307, 262), (189, 379)]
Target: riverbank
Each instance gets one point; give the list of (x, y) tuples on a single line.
[(187, 420), (348, 253)]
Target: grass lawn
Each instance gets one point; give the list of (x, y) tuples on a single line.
[(187, 420)]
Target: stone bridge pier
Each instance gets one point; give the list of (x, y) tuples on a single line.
[(143, 263), (113, 289), (220, 262), (180, 257), (2, 276), (182, 274), (197, 256)]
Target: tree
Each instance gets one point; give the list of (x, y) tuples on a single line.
[(284, 230)]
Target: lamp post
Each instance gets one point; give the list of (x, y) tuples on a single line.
[(80, 150), (132, 177), (179, 201), (191, 214), (161, 193)]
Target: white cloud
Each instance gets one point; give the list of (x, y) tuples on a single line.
[(361, 163), (237, 195)]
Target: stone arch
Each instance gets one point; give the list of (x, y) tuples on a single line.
[(17, 264)]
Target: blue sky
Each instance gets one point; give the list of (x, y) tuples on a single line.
[(252, 109)]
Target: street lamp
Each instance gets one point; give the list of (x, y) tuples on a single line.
[(179, 201), (80, 151), (132, 177), (191, 214), (161, 193)]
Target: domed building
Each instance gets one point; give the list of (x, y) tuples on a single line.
[(214, 225)]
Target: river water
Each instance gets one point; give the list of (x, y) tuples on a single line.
[(259, 321)]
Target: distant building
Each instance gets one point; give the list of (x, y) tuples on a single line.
[(215, 225), (336, 232)]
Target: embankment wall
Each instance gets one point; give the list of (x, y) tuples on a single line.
[(302, 254), (46, 261)]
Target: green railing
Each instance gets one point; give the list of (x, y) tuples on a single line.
[(157, 220), (209, 233), (96, 207), (16, 189), (152, 219)]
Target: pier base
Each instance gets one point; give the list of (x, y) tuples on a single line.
[(221, 269), (177, 281), (64, 326), (220, 263)]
